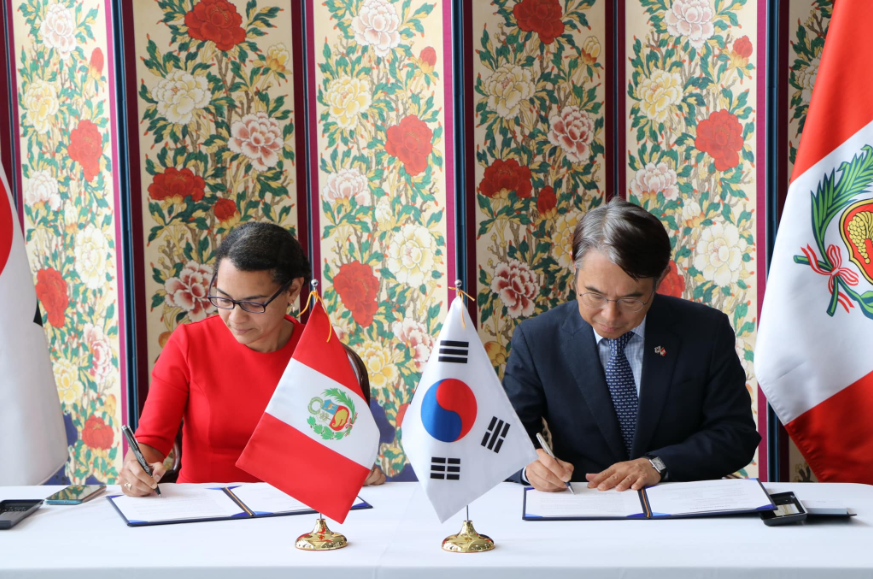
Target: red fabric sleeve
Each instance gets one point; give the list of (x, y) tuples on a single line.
[(168, 395)]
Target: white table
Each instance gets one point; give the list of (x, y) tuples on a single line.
[(400, 538)]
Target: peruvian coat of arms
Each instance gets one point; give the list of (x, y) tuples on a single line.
[(332, 415), (845, 201)]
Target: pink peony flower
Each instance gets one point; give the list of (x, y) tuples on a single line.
[(415, 336), (259, 138), (189, 290), (653, 179), (101, 352), (516, 285), (572, 130)]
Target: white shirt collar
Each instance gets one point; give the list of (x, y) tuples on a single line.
[(639, 331)]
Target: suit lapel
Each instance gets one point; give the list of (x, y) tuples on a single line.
[(580, 351), (657, 372)]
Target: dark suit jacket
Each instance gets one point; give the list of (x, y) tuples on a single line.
[(695, 411)]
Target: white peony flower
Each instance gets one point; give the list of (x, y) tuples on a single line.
[(517, 287), (507, 88), (101, 352), (659, 94), (692, 214), (180, 94), (259, 138), (91, 249), (653, 179), (415, 336), (411, 254), (41, 103), (806, 79), (346, 184), (277, 57), (67, 379), (572, 130), (719, 254), (347, 98), (691, 19), (189, 291), (377, 25), (58, 29), (43, 188)]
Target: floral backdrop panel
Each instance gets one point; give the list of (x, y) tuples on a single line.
[(62, 73), (539, 90), (383, 132), (807, 27), (690, 103), (216, 138)]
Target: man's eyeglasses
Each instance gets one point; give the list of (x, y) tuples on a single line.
[(597, 301), (224, 303)]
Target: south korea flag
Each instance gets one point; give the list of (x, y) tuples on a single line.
[(460, 432)]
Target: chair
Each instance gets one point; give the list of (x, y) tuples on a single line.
[(358, 366)]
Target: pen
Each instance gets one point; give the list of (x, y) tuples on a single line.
[(134, 447), (552, 454)]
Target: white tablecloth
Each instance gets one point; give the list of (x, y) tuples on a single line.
[(400, 538)]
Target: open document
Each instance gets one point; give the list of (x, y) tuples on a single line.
[(666, 500), (183, 503)]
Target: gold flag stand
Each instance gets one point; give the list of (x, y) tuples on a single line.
[(468, 540), (321, 538)]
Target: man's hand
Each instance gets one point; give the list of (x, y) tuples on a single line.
[(376, 477), (548, 474), (633, 474)]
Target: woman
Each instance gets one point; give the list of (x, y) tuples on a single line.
[(220, 373)]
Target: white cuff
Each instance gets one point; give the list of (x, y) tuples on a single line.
[(524, 476)]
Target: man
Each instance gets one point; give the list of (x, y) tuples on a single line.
[(636, 387)]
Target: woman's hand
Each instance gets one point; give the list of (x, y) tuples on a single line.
[(133, 479), (376, 477)]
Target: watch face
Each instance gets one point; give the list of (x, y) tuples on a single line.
[(658, 464)]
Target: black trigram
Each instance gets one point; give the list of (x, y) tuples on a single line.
[(496, 434), (445, 468), (456, 352)]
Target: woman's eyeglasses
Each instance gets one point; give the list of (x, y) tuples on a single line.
[(251, 307)]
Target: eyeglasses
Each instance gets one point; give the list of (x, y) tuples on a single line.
[(224, 303), (597, 301)]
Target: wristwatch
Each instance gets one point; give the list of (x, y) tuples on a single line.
[(658, 465)]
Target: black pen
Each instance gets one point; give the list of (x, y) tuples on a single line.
[(134, 447)]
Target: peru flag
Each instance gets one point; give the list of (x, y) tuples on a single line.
[(813, 355), (33, 445), (317, 440)]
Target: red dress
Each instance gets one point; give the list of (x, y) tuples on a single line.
[(221, 388)]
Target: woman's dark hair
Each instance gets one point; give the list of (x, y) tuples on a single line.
[(257, 246), (628, 235)]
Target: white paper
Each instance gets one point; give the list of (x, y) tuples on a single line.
[(587, 503), (709, 496), (178, 503), (264, 498)]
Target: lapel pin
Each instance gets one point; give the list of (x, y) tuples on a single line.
[(661, 350)]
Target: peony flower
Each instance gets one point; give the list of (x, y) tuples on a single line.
[(51, 291), (496, 353), (414, 336), (216, 21), (691, 19), (692, 214), (653, 179), (346, 99), (590, 50), (427, 59), (805, 79), (411, 142), (380, 365), (659, 94), (743, 47), (547, 203), (358, 288), (43, 188), (347, 184), (384, 213), (71, 216), (110, 405), (101, 352), (95, 64), (503, 177), (719, 253), (540, 16), (721, 135), (189, 291), (506, 88), (180, 95), (259, 138), (277, 56), (673, 283), (410, 255), (226, 212), (58, 29), (377, 25), (562, 238), (516, 285), (67, 379), (86, 148), (41, 103), (572, 130), (91, 251), (97, 434), (174, 185)]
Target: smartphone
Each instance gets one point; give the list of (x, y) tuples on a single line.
[(75, 494)]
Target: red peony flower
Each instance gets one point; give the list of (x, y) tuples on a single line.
[(225, 210), (357, 288), (721, 135), (547, 202), (176, 185), (411, 141), (501, 177), (428, 58), (86, 148), (96, 63), (743, 47), (97, 434), (51, 290), (540, 16), (218, 21), (673, 283)]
